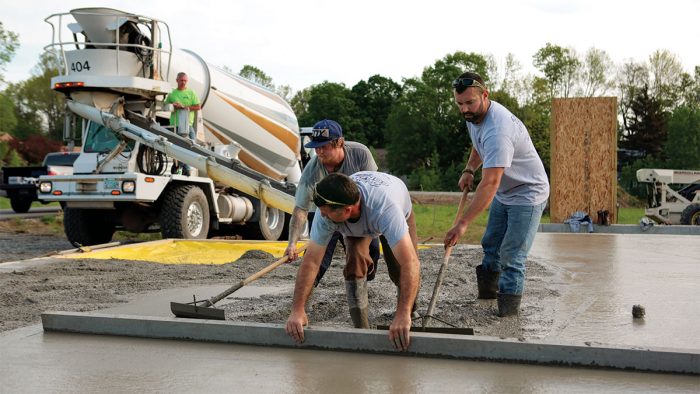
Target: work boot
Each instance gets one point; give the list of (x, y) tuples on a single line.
[(487, 281), (508, 304), (356, 292)]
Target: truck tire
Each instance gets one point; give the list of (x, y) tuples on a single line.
[(87, 226), (269, 225), (184, 213), (20, 205), (691, 215)]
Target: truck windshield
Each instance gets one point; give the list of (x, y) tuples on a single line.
[(100, 139)]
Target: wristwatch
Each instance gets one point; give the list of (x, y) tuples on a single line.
[(468, 171)]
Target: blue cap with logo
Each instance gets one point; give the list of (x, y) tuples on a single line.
[(324, 132)]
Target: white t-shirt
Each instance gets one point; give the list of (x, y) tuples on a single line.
[(385, 205), (502, 140)]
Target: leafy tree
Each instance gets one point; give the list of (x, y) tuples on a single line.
[(35, 147), (665, 70), (424, 129), (646, 127), (300, 104), (632, 80), (690, 89), (9, 42), (374, 99), (330, 100), (596, 71), (8, 120), (683, 144), (36, 101), (559, 66), (256, 75), (9, 157), (512, 81)]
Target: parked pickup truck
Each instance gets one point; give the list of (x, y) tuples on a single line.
[(19, 184)]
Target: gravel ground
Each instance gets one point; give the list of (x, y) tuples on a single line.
[(85, 285)]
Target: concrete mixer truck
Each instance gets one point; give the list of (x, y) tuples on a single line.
[(116, 70)]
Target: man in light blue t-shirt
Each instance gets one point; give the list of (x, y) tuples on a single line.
[(362, 207), (514, 184)]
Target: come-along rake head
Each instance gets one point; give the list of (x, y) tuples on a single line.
[(193, 310)]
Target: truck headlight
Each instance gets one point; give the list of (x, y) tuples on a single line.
[(128, 186), (45, 187)]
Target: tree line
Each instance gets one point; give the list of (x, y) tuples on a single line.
[(416, 122)]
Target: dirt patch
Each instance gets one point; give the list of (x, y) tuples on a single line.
[(84, 285)]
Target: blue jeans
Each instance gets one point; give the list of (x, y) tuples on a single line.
[(192, 135), (507, 241)]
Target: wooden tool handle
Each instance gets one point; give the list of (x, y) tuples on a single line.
[(249, 279), (445, 261)]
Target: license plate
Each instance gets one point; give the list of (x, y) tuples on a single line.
[(111, 184)]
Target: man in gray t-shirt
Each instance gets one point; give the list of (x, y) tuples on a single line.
[(361, 207), (514, 187), (333, 154)]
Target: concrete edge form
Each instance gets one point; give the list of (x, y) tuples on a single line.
[(621, 229), (373, 341)]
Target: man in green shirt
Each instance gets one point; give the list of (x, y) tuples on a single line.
[(183, 98)]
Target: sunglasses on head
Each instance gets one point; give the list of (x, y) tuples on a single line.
[(318, 199), (463, 83)]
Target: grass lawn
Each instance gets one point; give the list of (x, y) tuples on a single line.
[(433, 221)]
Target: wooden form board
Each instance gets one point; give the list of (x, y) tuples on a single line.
[(583, 157)]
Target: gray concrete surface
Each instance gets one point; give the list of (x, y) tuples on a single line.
[(460, 347), (605, 273), (35, 361), (622, 229)]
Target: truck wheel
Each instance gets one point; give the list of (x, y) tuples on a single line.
[(87, 226), (269, 225), (184, 213), (20, 205), (691, 215)]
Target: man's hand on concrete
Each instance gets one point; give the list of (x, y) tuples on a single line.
[(400, 331), (295, 326)]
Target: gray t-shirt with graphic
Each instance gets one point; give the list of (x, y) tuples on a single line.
[(503, 141), (385, 205), (357, 158)]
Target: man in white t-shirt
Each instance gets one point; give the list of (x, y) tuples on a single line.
[(361, 207), (514, 186), (333, 154)]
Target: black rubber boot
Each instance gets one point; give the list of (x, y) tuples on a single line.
[(508, 304), (487, 282), (356, 292)]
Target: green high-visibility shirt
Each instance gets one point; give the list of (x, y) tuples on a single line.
[(186, 97)]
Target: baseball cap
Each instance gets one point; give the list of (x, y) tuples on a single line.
[(324, 132)]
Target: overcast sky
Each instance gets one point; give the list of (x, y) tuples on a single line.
[(303, 42)]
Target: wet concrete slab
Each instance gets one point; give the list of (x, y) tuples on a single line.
[(605, 275), (457, 347), (34, 361), (157, 303)]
